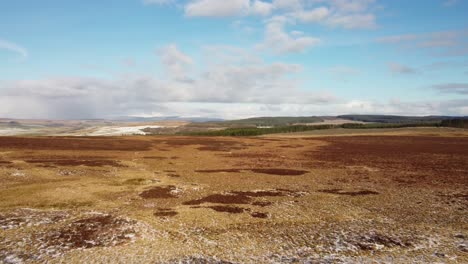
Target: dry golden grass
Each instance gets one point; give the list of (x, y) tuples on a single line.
[(384, 198)]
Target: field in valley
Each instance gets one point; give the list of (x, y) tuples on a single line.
[(387, 196)]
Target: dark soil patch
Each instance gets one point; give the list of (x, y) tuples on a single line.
[(356, 193), (259, 193), (173, 175), (291, 146), (221, 199), (94, 231), (239, 197), (155, 158), (159, 193), (227, 209), (74, 143), (282, 172), (219, 170), (259, 215), (3, 162), (272, 171), (75, 162), (165, 214), (136, 181)]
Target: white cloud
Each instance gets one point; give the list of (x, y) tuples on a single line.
[(231, 76), (351, 6), (217, 8), (287, 4), (314, 15), (175, 62), (10, 46), (281, 41), (262, 8), (353, 21)]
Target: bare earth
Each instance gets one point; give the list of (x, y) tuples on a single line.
[(391, 198)]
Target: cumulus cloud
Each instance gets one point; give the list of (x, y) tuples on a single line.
[(348, 14), (216, 8), (281, 41), (12, 47), (353, 21), (176, 63), (237, 77), (262, 8), (314, 15)]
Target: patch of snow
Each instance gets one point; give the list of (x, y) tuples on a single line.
[(122, 131), (12, 131)]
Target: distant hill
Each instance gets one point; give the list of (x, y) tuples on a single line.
[(392, 119), (166, 118), (275, 121)]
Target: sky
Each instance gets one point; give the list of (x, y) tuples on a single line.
[(231, 59)]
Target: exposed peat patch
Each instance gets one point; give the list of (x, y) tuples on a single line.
[(281, 172), (259, 215), (155, 158), (242, 197), (160, 193), (227, 209), (271, 171), (221, 199), (349, 193), (163, 212)]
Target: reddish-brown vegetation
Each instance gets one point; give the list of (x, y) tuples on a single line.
[(72, 143), (434, 160), (205, 143)]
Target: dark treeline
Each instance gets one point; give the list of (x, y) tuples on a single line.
[(252, 131), (458, 122)]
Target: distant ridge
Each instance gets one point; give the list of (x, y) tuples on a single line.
[(166, 118), (394, 119)]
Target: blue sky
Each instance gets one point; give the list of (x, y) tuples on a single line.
[(233, 58)]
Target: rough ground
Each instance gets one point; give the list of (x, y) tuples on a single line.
[(373, 198)]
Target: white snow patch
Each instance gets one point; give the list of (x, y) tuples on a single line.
[(12, 131), (122, 131)]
